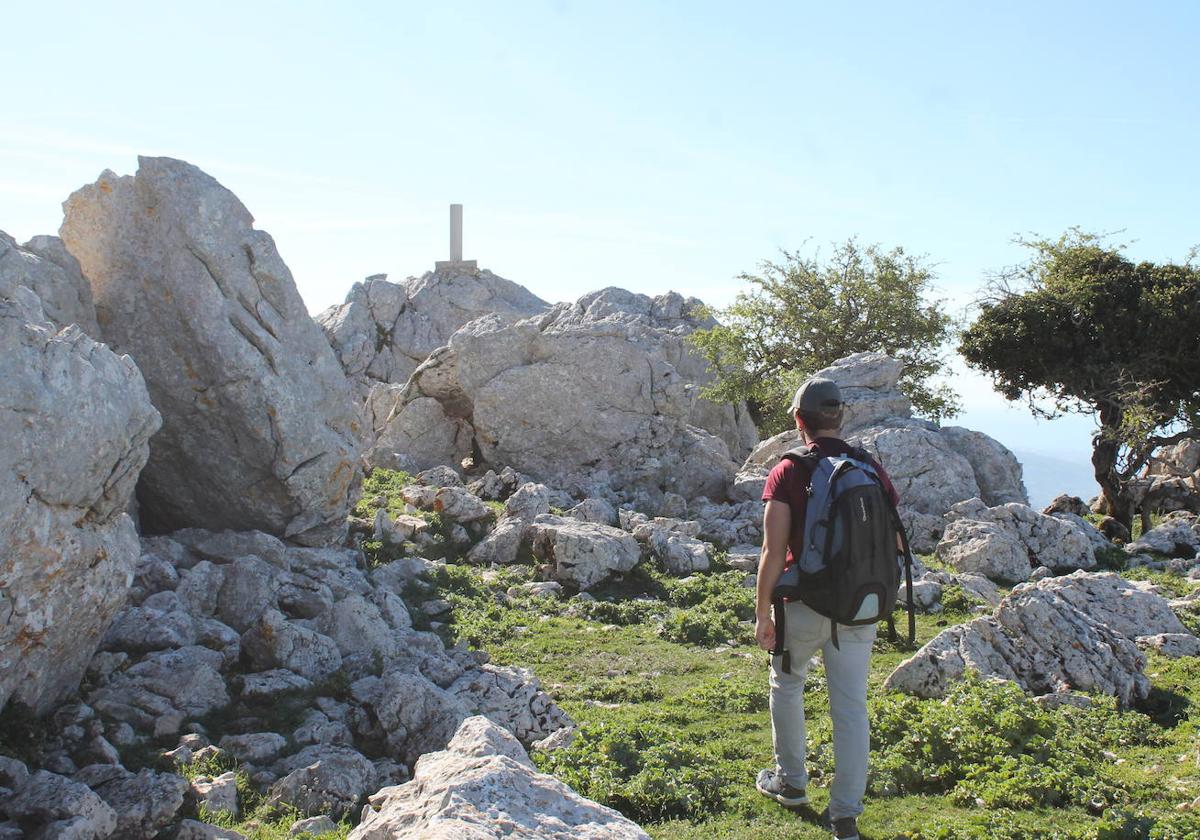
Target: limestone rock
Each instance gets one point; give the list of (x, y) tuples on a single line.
[(868, 385), (54, 806), (163, 690), (414, 715), (196, 830), (326, 779), (453, 503), (501, 546), (582, 553), (43, 266), (275, 642), (1065, 503), (216, 793), (76, 420), (316, 826), (1178, 535), (594, 510), (259, 428), (513, 698), (254, 747), (997, 471), (144, 803), (986, 549), (483, 786), (529, 501)]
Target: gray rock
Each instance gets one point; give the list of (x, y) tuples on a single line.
[(316, 826), (268, 685), (76, 433), (512, 698), (225, 547), (142, 629), (997, 471), (1171, 645), (530, 501), (868, 385), (163, 690), (275, 642), (484, 786), (144, 803), (155, 574), (1065, 503), (744, 558), (196, 830), (357, 626), (259, 428), (254, 747), (44, 267), (325, 779), (200, 587), (501, 546), (216, 793), (317, 728), (414, 715), (13, 773), (1178, 535), (440, 476), (680, 555), (595, 510), (582, 553), (247, 591), (60, 807), (453, 503), (986, 549)]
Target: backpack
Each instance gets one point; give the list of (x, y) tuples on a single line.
[(846, 566)]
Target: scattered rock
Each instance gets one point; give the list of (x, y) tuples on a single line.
[(196, 830), (316, 826), (53, 806), (1178, 535), (513, 698), (275, 642), (582, 553), (324, 779)]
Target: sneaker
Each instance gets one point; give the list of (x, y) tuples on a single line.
[(771, 783), (845, 828)]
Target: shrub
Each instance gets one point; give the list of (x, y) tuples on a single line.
[(702, 626), (736, 694)]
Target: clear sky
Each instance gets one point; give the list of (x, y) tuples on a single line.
[(654, 146)]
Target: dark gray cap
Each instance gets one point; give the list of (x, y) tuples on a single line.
[(817, 395)]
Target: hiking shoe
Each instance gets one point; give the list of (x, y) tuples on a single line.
[(845, 828), (771, 783)]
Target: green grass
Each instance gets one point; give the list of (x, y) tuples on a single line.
[(674, 725)]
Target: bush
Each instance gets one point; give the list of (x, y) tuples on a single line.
[(702, 626), (734, 695)]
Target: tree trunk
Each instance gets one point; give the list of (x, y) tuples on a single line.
[(1106, 448)]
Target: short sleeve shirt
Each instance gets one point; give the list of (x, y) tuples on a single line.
[(788, 483)]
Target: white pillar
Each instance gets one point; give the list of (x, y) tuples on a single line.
[(456, 249)]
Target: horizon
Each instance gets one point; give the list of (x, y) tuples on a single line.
[(651, 149)]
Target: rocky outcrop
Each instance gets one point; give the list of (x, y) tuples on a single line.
[(259, 427), (581, 553), (932, 468), (1077, 632), (75, 421), (1178, 535), (590, 397), (484, 786), (44, 267), (384, 330), (1005, 542)]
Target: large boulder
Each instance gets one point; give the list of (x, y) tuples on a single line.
[(1178, 535), (75, 421), (44, 267), (259, 427), (590, 396), (997, 471), (484, 786), (384, 329), (581, 553), (1077, 632)]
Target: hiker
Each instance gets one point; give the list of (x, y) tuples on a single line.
[(846, 649)]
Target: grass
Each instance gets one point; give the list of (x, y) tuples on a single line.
[(674, 723)]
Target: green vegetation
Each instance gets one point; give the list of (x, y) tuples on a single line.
[(1095, 333), (806, 312), (673, 732)]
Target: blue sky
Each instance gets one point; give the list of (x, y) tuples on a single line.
[(651, 146)]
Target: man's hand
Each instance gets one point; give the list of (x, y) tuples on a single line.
[(764, 632)]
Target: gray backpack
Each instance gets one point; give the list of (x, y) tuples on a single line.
[(846, 560)]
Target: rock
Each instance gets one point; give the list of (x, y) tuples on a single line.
[(440, 476), (530, 501), (744, 558), (60, 807), (483, 786), (13, 773), (926, 594), (325, 779), (217, 793), (275, 642), (453, 503), (596, 511), (270, 684), (997, 471), (144, 803), (576, 363), (1171, 645), (225, 547), (1178, 535), (259, 428), (142, 629), (358, 626), (316, 826), (254, 747), (44, 267), (1056, 635), (1095, 537), (76, 433), (1066, 503), (414, 715), (868, 385), (1113, 530), (384, 329), (247, 591), (200, 588), (681, 555), (317, 728), (537, 589), (195, 830), (163, 690), (501, 546), (582, 553), (984, 548), (512, 698)]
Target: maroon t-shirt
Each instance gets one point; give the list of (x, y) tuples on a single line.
[(789, 483)]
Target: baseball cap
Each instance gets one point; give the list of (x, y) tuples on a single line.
[(817, 395)]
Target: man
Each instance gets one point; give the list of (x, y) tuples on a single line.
[(818, 411)]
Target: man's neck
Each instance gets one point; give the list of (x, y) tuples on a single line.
[(811, 438)]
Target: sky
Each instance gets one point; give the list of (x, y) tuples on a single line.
[(659, 146)]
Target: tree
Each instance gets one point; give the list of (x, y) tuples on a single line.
[(1094, 333), (802, 314)]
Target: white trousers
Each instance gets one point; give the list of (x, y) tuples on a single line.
[(807, 631)]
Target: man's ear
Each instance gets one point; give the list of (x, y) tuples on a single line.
[(799, 422)]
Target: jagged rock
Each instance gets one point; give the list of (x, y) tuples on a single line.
[(144, 803), (453, 503), (484, 786), (316, 826), (581, 553), (868, 385), (76, 428), (594, 510), (513, 698), (357, 625), (528, 502), (1066, 503), (324, 779), (275, 642), (613, 383), (200, 587), (414, 715), (254, 747), (142, 629), (384, 329), (681, 555), (259, 428), (196, 830), (926, 594), (1178, 535), (1059, 634), (501, 546), (216, 793), (1098, 540), (1171, 645), (52, 806), (163, 690), (44, 267), (1004, 542), (729, 524), (979, 587), (495, 487), (152, 574), (997, 471), (317, 728)]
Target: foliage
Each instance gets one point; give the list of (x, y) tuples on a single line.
[(734, 694), (1093, 332), (381, 489), (804, 313)]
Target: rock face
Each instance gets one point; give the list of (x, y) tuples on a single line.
[(259, 427), (384, 330), (590, 396), (75, 421), (1004, 542), (484, 786), (932, 468), (44, 267), (1054, 636)]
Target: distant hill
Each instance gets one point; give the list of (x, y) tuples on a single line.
[(1046, 476)]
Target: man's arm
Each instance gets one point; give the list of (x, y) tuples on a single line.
[(777, 529)]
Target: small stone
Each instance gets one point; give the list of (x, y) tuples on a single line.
[(315, 826), (216, 794)]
